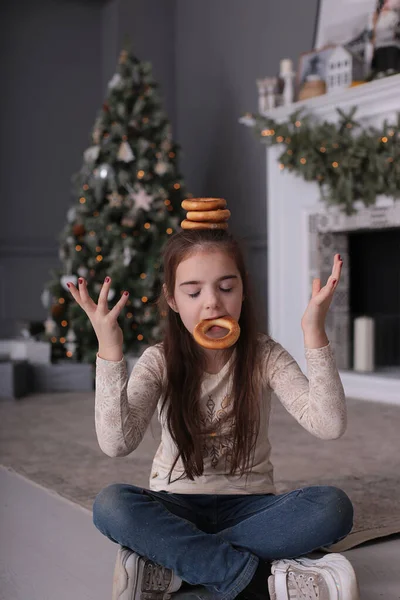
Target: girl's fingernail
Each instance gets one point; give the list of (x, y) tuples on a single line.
[(334, 281), (107, 279), (68, 284), (80, 280), (340, 258), (126, 293)]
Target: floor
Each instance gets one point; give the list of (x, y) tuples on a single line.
[(50, 550)]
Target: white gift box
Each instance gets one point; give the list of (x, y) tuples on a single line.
[(31, 350)]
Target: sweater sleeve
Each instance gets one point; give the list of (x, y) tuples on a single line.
[(124, 407), (317, 403)]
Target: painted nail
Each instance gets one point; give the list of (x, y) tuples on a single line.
[(80, 280), (68, 284), (334, 281), (126, 293), (107, 279)]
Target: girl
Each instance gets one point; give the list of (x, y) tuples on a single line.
[(211, 525)]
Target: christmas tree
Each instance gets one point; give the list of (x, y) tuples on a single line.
[(128, 202)]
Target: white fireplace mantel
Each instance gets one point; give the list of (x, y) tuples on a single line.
[(376, 98), (290, 202)]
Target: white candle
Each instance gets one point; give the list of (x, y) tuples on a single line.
[(364, 344), (288, 90), (286, 66)]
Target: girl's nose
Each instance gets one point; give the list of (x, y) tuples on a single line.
[(212, 300)]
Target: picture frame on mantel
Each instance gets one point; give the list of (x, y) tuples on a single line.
[(344, 22)]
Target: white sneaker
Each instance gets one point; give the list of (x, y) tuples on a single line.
[(329, 578), (138, 578)]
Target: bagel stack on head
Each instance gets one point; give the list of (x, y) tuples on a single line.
[(205, 213), (210, 213)]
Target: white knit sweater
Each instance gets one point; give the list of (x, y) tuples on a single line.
[(125, 405)]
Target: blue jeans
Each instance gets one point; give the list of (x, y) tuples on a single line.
[(215, 541)]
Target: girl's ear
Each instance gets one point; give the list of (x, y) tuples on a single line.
[(170, 301)]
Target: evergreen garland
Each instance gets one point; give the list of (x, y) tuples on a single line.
[(347, 164)]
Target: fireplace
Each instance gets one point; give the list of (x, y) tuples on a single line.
[(303, 235), (369, 243), (375, 290)]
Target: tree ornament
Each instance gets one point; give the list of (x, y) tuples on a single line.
[(64, 279), (71, 336), (129, 253), (71, 341), (128, 221), (125, 153), (166, 144), (45, 298), (50, 326), (121, 110), (91, 154), (115, 82), (142, 200), (96, 136), (71, 214), (78, 229), (57, 310), (115, 199), (161, 168), (104, 172), (123, 57)]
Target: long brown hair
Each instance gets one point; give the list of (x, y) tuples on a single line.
[(186, 362)]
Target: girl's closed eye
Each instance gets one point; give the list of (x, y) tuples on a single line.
[(222, 290)]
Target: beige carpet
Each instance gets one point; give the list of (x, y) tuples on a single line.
[(50, 438)]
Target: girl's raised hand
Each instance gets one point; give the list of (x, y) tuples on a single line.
[(321, 298), (104, 321)]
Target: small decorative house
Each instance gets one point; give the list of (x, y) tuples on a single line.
[(342, 68)]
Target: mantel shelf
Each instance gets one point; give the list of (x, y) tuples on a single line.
[(372, 98)]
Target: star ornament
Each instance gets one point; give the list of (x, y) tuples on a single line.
[(142, 199), (115, 199)]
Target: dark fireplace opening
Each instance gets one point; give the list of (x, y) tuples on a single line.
[(374, 273)]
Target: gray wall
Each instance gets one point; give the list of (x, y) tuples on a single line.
[(222, 47), (51, 85), (56, 59)]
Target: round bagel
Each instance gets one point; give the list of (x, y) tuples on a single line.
[(228, 322), (209, 215), (204, 204), (186, 224)]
